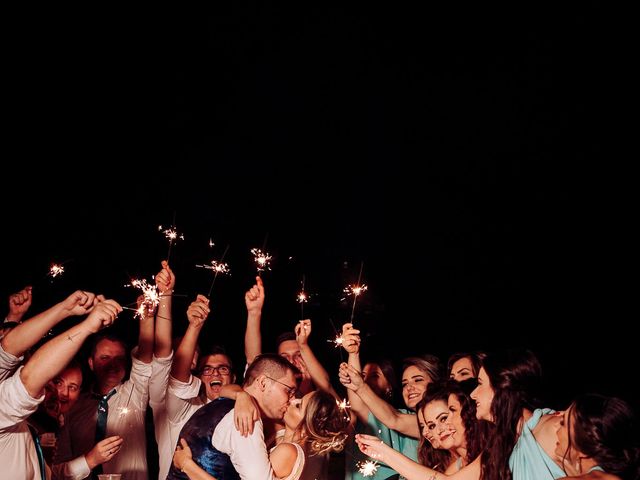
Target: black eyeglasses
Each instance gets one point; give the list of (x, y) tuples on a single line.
[(291, 391), (221, 369)]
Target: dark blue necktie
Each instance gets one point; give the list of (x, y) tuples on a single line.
[(103, 413), (36, 441), (101, 424)]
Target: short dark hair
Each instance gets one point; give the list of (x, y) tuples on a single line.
[(269, 364), (106, 336), (283, 337), (214, 350)]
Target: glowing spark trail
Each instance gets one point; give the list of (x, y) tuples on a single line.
[(262, 259), (56, 270), (368, 468)]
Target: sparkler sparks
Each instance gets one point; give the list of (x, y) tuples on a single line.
[(262, 259), (339, 340), (217, 267), (368, 468), (151, 296), (302, 297), (172, 235), (56, 270), (344, 406)]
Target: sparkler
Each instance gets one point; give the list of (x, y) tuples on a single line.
[(367, 468), (56, 270), (344, 406), (172, 235), (302, 298), (262, 259), (151, 296), (355, 290), (338, 341), (217, 268), (124, 410)]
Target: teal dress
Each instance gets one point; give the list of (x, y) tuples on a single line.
[(408, 446), (528, 461)]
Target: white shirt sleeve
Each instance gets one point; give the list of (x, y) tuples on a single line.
[(17, 404), (8, 363), (248, 454), (76, 469), (159, 381)]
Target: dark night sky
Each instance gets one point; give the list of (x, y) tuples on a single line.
[(448, 151)]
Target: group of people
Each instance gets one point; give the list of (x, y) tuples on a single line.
[(478, 418)]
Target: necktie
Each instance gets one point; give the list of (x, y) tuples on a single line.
[(101, 424), (36, 441), (103, 412)]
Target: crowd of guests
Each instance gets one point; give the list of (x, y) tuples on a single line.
[(475, 418)]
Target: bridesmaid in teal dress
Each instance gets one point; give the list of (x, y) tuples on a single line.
[(598, 439)]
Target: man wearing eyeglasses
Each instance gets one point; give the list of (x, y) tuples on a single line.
[(218, 447), (189, 391)]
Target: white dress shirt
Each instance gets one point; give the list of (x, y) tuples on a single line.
[(158, 384), (8, 363)]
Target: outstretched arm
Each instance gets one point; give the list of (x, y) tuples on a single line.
[(319, 375), (254, 300), (351, 343), (27, 334), (53, 356), (166, 282), (378, 450), (19, 303), (196, 314)]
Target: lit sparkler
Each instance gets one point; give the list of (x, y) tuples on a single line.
[(172, 235), (217, 267), (367, 468), (151, 296), (124, 410), (302, 298), (344, 406), (338, 341), (262, 259), (56, 270), (355, 290)]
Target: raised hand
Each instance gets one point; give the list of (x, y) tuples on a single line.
[(165, 279), (80, 302), (350, 377), (19, 303), (102, 315), (198, 311), (371, 446), (350, 338), (303, 330), (254, 298)]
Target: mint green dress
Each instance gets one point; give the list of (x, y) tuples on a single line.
[(528, 461), (406, 445)]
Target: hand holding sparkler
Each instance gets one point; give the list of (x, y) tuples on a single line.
[(350, 377), (102, 315), (254, 298), (81, 302), (103, 451), (372, 446), (350, 339), (145, 309), (262, 259), (198, 312), (19, 303), (303, 330), (165, 279)]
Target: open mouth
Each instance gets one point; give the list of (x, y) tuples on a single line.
[(215, 383)]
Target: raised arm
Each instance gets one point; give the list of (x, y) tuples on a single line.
[(19, 303), (166, 282), (401, 422), (196, 314), (319, 375), (254, 300), (351, 343), (407, 468), (54, 355), (145, 332), (27, 334)]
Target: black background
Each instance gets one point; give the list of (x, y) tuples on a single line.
[(458, 154)]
